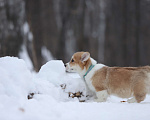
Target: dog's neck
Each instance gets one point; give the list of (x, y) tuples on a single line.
[(82, 72)]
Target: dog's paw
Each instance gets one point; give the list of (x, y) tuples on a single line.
[(132, 100), (100, 100)]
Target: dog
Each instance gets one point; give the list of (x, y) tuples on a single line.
[(125, 82)]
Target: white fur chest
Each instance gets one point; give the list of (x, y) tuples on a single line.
[(90, 75)]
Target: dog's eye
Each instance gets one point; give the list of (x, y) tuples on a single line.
[(72, 60)]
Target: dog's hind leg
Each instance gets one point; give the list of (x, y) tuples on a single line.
[(101, 96), (139, 93)]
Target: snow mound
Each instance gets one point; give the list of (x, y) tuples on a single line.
[(16, 79), (52, 72)]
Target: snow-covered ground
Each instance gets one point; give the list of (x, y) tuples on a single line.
[(50, 101)]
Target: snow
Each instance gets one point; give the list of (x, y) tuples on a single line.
[(26, 30), (1, 3), (46, 54), (24, 55), (50, 101), (15, 77)]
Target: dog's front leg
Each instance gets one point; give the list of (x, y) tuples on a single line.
[(101, 96)]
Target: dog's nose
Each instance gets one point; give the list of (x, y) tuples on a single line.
[(65, 65)]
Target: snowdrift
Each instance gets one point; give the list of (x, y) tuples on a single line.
[(50, 101), (16, 79)]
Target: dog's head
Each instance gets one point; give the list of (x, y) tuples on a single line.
[(79, 62)]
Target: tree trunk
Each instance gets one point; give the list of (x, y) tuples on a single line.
[(11, 21)]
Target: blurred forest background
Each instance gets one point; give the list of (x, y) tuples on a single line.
[(115, 32)]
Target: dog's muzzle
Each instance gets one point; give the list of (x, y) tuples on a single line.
[(68, 68)]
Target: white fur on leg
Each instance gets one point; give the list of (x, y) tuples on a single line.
[(132, 100), (101, 96)]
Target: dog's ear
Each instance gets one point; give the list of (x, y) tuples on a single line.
[(85, 56)]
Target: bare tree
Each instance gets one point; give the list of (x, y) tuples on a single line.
[(11, 21)]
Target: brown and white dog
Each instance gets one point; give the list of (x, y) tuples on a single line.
[(124, 82)]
